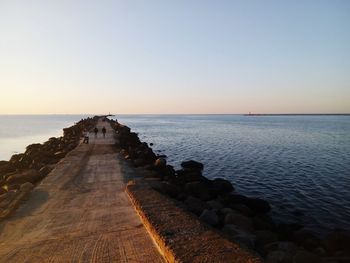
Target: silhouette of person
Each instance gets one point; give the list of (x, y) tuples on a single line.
[(86, 137), (104, 132), (95, 131)]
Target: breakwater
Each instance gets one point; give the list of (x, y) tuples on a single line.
[(242, 219), (23, 171)]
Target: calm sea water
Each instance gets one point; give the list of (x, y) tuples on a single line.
[(297, 163), (18, 131)]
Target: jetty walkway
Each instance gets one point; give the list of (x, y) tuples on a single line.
[(79, 213)]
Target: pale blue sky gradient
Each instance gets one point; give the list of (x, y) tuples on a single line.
[(174, 56)]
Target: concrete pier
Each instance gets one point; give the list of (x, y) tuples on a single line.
[(79, 213)]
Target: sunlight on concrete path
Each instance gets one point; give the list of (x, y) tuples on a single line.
[(79, 213)]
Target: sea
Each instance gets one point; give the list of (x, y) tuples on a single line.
[(300, 164)]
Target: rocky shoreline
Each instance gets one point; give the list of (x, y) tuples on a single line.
[(23, 171), (241, 219)]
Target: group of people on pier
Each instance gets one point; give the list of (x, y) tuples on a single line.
[(87, 135)]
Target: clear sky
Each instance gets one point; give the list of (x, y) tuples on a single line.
[(181, 56)]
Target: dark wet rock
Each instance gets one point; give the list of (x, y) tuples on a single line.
[(226, 210), (214, 204), (169, 171), (279, 256), (239, 220), (306, 239), (258, 205), (230, 200), (264, 237), (190, 176), (288, 248), (239, 235), (303, 256), (200, 190), (286, 231), (338, 240), (166, 188), (263, 222), (192, 165), (160, 164), (195, 205), (243, 209), (222, 185), (139, 162), (209, 217)]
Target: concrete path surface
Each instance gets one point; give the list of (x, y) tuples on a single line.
[(79, 213)]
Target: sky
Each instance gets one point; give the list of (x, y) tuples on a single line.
[(174, 57)]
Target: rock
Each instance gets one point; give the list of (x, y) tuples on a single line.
[(239, 220), (160, 164), (200, 190), (213, 204), (192, 165), (190, 176), (264, 237), (209, 217), (26, 187), (195, 205), (239, 235), (279, 256), (226, 210), (263, 222), (166, 188), (232, 199), (306, 239), (222, 185), (139, 162), (7, 199), (286, 231), (243, 209), (338, 240), (258, 205), (31, 176), (286, 246), (303, 256)]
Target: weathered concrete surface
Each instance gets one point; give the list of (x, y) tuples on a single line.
[(180, 235), (79, 213)]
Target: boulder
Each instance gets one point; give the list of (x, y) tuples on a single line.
[(192, 165), (263, 222), (264, 237), (214, 204), (243, 209), (160, 164), (222, 185), (26, 187), (139, 162), (258, 205), (195, 205), (338, 240), (190, 176), (166, 188), (209, 217), (279, 256), (306, 239), (286, 231), (200, 190), (303, 256), (239, 220), (31, 176), (232, 199)]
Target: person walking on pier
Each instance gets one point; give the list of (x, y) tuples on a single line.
[(95, 131), (86, 137), (104, 131)]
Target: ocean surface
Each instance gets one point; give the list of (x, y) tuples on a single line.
[(18, 131), (300, 164)]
